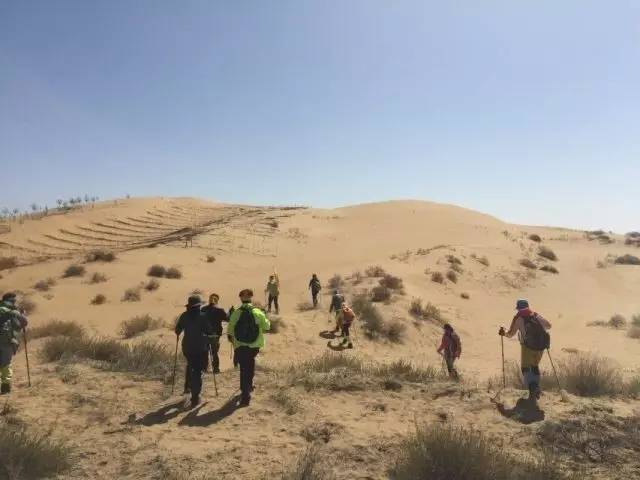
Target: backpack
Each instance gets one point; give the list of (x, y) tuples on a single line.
[(315, 285), (6, 327), (455, 347), (535, 336), (246, 329)]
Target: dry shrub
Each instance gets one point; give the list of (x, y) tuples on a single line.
[(8, 262), (589, 375), (394, 331), (627, 260), (415, 308), (156, 271), (465, 295), (617, 321), (457, 268), (453, 260), (100, 256), (26, 305), (99, 299), (277, 324), (375, 271), (286, 400), (356, 277), (525, 262), (380, 293), (305, 306), (446, 452), (152, 285), (535, 238), (391, 282), (452, 276), (437, 277), (428, 312), (55, 328), (138, 324), (310, 465), (45, 285), (173, 273), (482, 260), (546, 252), (30, 455), (634, 332), (335, 282), (635, 320), (74, 271), (549, 268), (98, 277), (211, 258), (131, 295)]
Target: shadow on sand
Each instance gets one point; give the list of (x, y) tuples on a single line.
[(162, 415), (339, 347), (194, 419), (525, 412), (328, 335)]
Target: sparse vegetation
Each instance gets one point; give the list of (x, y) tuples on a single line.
[(99, 299), (356, 278), (285, 399), (453, 260), (310, 465), (131, 295), (549, 268), (525, 262), (375, 271), (173, 273), (139, 324), (391, 282), (55, 328), (465, 295), (635, 320), (305, 306), (452, 276), (8, 262), (152, 285), (97, 277), (211, 258), (100, 256), (26, 305), (335, 282), (535, 238), (380, 293), (617, 321), (428, 312), (627, 260), (156, 271), (394, 331), (546, 252), (45, 285), (437, 277), (74, 271), (591, 376), (482, 260), (634, 332)]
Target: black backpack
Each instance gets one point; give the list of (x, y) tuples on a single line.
[(535, 336), (246, 329)]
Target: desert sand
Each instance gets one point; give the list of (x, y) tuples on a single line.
[(116, 422)]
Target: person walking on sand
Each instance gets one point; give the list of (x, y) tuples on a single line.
[(246, 330), (11, 323), (347, 319), (451, 349), (273, 290), (215, 316), (315, 286), (531, 328), (336, 306), (195, 345)]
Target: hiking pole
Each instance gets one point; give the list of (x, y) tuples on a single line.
[(504, 378), (26, 354), (554, 371), (175, 366)]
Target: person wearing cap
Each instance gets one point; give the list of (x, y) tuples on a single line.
[(11, 323), (246, 331), (451, 348), (525, 323), (195, 345), (215, 316)]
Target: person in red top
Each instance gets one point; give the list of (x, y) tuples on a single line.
[(451, 349), (347, 318)]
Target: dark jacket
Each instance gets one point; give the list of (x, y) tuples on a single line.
[(196, 328), (315, 285), (336, 302), (215, 316)]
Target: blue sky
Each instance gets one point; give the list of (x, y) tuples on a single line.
[(526, 110)]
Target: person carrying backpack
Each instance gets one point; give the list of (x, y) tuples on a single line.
[(347, 319), (451, 349), (336, 306), (246, 330), (215, 316), (315, 286), (273, 289), (11, 322), (531, 328), (195, 345)]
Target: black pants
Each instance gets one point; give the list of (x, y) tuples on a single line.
[(196, 364), (247, 359), (273, 299), (314, 296), (215, 359)]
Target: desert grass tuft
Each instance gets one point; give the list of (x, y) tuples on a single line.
[(139, 324), (100, 256), (45, 285), (74, 271), (546, 252), (55, 328), (99, 299)]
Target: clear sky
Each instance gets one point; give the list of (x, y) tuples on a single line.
[(528, 110)]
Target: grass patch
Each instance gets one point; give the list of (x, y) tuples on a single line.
[(156, 271), (8, 262), (74, 271), (375, 271), (138, 324), (525, 262), (131, 295), (310, 465), (100, 256), (99, 299), (391, 282), (546, 252), (627, 260), (173, 273), (452, 276), (98, 277), (284, 399), (437, 277), (45, 285), (54, 328), (335, 282), (152, 285), (549, 268), (428, 312)]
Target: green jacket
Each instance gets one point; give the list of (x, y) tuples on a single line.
[(261, 320), (11, 322)]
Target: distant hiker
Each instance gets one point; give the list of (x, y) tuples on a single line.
[(215, 316), (11, 323), (195, 345), (347, 319), (246, 329), (273, 289), (315, 286), (336, 306), (451, 349), (534, 340)]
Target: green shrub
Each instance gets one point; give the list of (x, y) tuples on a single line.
[(56, 328), (74, 271), (547, 253), (136, 325)]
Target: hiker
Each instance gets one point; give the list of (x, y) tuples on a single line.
[(315, 286), (195, 345), (336, 306), (11, 322), (452, 348), (215, 316), (347, 318), (246, 330), (273, 289), (534, 340)]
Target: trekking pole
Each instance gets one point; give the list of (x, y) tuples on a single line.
[(26, 354), (504, 378), (554, 370), (175, 366)]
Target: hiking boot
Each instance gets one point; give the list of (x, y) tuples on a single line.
[(244, 402), (5, 388), (344, 340), (195, 401)]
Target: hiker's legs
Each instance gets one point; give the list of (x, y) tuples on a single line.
[(314, 296), (187, 376), (275, 302), (339, 318), (530, 371), (453, 373), (196, 367), (271, 298), (345, 334), (247, 360), (215, 359), (6, 354)]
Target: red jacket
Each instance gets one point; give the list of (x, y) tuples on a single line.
[(451, 345)]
